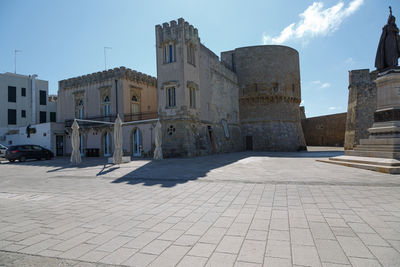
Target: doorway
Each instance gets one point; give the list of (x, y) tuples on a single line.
[(211, 135), (137, 143), (249, 142), (59, 145), (81, 146), (107, 144)]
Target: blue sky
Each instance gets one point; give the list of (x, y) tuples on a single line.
[(64, 39)]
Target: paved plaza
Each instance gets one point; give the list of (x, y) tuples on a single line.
[(239, 209)]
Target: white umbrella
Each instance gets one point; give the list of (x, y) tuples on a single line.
[(75, 140), (158, 134), (117, 157)]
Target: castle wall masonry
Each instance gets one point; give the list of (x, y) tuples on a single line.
[(361, 106), (248, 100)]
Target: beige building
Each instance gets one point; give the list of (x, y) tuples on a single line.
[(100, 97), (24, 100)]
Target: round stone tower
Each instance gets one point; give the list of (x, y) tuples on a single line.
[(269, 97)]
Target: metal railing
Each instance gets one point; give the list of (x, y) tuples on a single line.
[(111, 118)]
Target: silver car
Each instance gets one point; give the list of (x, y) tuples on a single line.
[(2, 151)]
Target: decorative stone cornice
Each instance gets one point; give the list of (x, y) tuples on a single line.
[(116, 73), (191, 84), (169, 84)]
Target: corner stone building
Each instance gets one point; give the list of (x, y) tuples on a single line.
[(361, 106), (248, 100)]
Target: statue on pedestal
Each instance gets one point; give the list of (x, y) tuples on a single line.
[(389, 46)]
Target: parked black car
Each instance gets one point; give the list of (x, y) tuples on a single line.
[(24, 152)]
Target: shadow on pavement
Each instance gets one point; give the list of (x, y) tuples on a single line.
[(61, 163), (173, 171)]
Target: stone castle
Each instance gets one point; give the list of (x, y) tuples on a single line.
[(247, 100)]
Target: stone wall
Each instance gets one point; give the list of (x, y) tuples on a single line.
[(269, 96), (326, 130), (361, 106)]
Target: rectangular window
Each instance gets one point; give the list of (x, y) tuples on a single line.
[(165, 54), (23, 114), (171, 56), (43, 98), (43, 116), (192, 95), (171, 97), (169, 52), (53, 117), (12, 116), (23, 91), (190, 54), (12, 94)]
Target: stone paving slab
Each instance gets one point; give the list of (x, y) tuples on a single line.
[(257, 209)]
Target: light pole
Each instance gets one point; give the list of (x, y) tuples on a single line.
[(105, 57), (15, 59)]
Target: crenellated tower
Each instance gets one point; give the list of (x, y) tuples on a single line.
[(178, 81)]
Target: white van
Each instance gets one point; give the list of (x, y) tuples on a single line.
[(2, 151)]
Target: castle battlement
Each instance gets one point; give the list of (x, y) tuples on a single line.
[(101, 76), (173, 30)]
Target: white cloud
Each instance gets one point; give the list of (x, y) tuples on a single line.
[(350, 61), (315, 21), (325, 85), (302, 103), (320, 84)]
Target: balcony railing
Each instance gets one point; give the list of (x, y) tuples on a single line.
[(111, 118)]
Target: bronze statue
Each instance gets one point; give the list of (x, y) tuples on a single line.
[(389, 46)]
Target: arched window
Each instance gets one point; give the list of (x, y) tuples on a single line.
[(106, 106), (79, 109), (169, 52)]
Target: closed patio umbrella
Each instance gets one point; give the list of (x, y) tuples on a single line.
[(117, 157), (75, 140), (158, 140)]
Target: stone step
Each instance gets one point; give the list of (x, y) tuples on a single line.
[(371, 167), (367, 160), (387, 148), (373, 154), (380, 141)]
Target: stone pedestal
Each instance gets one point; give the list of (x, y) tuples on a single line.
[(381, 151)]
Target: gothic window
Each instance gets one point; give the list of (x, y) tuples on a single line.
[(79, 108), (169, 52), (171, 97), (190, 54), (106, 106), (135, 103), (192, 96)]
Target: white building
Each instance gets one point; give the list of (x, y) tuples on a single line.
[(44, 134), (24, 100)]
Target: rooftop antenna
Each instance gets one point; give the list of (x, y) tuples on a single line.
[(105, 57), (15, 59)]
